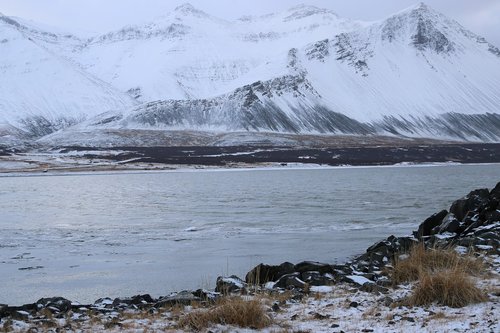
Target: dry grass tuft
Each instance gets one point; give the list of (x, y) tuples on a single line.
[(228, 311), (422, 260), (452, 288), (442, 276)]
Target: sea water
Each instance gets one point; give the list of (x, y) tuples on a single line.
[(85, 236)]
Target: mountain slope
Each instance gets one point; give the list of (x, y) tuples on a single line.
[(188, 54), (416, 73), (42, 92)]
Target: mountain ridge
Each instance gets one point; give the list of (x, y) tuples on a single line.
[(306, 70)]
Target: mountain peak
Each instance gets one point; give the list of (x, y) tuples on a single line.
[(303, 6), (303, 10), (420, 8), (189, 9), (425, 28)]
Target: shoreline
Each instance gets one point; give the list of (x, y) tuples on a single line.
[(471, 224), (202, 168), (144, 159), (113, 170)]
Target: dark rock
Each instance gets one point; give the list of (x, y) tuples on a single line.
[(4, 310), (475, 223), (486, 234), (31, 307), (309, 266), (290, 281), (275, 307), (342, 269), (410, 319), (431, 222), (182, 298), (316, 279), (20, 315), (404, 244), (105, 302), (261, 273), (449, 224), (467, 241), (206, 295), (353, 304), (384, 282), (227, 285), (384, 246), (55, 304), (471, 202), (492, 217), (358, 280), (495, 193), (335, 326), (138, 300)]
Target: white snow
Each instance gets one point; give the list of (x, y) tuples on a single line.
[(359, 279), (364, 70)]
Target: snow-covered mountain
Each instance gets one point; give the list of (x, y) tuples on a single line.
[(416, 73), (41, 91)]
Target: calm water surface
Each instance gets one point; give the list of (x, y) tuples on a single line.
[(89, 236)]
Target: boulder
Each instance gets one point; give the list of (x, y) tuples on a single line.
[(315, 278), (449, 224), (3, 310), (20, 315), (290, 281), (309, 266), (495, 193), (471, 202), (492, 217), (206, 295), (138, 300), (358, 280), (105, 302), (425, 228), (228, 285), (261, 273), (182, 298), (54, 304)]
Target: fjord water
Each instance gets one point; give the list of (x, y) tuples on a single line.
[(89, 236)]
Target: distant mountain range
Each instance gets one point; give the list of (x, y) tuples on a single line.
[(416, 73)]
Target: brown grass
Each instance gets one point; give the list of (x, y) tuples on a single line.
[(229, 311), (449, 287), (422, 260), (442, 275)]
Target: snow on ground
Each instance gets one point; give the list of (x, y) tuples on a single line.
[(339, 308)]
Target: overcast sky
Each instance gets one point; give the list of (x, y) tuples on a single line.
[(480, 16)]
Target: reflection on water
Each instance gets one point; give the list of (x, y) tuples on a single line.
[(122, 234)]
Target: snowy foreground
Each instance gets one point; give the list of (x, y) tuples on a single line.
[(336, 308)]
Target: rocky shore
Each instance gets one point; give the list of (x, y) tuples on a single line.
[(471, 225)]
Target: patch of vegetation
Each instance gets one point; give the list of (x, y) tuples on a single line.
[(424, 260), (452, 288), (228, 311), (443, 276)]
